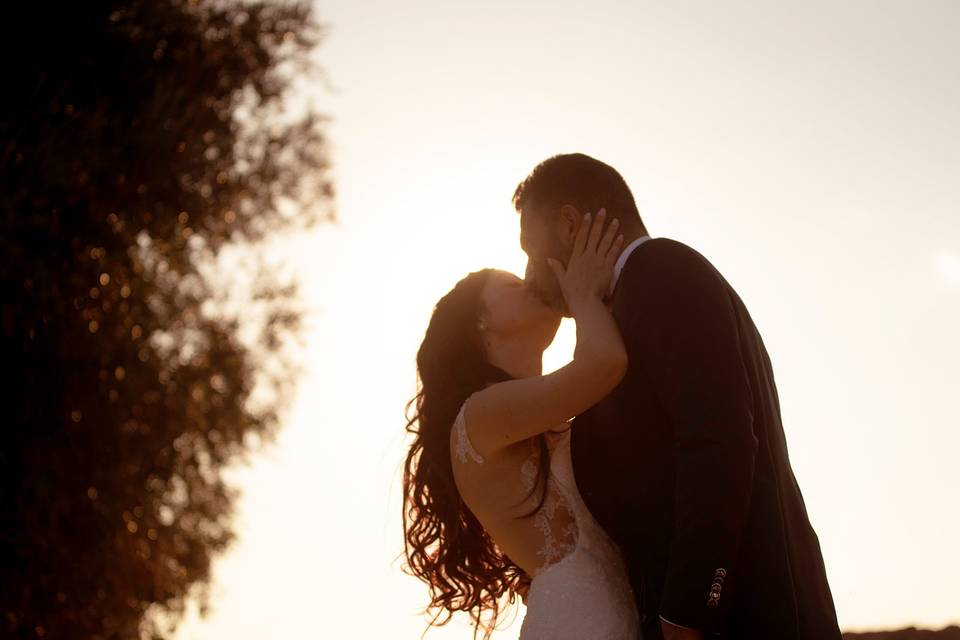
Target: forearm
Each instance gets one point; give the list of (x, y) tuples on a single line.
[(600, 350), (514, 410), (713, 488)]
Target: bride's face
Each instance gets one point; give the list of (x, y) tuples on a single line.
[(513, 310)]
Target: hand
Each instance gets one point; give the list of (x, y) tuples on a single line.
[(590, 268), (673, 632)]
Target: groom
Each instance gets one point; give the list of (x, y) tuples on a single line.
[(685, 463)]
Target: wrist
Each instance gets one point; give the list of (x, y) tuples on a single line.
[(584, 305)]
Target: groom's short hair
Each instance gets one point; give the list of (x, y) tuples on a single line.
[(579, 180)]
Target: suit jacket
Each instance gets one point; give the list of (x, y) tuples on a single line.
[(685, 463)]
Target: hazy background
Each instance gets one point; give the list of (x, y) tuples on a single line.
[(809, 149)]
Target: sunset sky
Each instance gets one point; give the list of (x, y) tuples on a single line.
[(811, 150)]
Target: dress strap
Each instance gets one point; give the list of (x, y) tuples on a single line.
[(461, 440)]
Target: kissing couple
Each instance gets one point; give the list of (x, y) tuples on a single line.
[(641, 491)]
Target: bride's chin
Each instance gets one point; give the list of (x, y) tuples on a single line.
[(550, 329)]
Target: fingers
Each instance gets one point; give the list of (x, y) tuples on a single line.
[(581, 240), (560, 273), (557, 267), (607, 241), (595, 230), (614, 252)]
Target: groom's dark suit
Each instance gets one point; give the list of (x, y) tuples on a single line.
[(685, 463)]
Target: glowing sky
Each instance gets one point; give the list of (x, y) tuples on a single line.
[(809, 149)]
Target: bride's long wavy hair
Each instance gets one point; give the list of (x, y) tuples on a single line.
[(444, 543)]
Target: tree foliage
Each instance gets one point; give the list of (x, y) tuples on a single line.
[(140, 141)]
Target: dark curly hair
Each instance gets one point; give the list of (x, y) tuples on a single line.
[(444, 543)]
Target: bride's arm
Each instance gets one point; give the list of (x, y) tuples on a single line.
[(511, 411)]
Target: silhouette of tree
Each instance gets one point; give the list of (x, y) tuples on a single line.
[(141, 141)]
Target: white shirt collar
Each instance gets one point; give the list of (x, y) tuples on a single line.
[(622, 260)]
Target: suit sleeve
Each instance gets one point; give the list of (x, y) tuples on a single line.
[(684, 331)]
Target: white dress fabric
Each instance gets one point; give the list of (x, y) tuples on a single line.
[(581, 590)]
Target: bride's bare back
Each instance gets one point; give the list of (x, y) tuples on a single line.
[(580, 587), (504, 489)]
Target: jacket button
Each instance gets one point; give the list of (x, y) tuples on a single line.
[(721, 573)]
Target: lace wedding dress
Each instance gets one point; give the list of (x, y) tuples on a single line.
[(581, 590)]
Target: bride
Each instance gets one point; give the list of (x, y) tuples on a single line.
[(491, 507)]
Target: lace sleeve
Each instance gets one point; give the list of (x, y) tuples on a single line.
[(461, 441)]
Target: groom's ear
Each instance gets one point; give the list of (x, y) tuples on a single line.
[(567, 225)]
